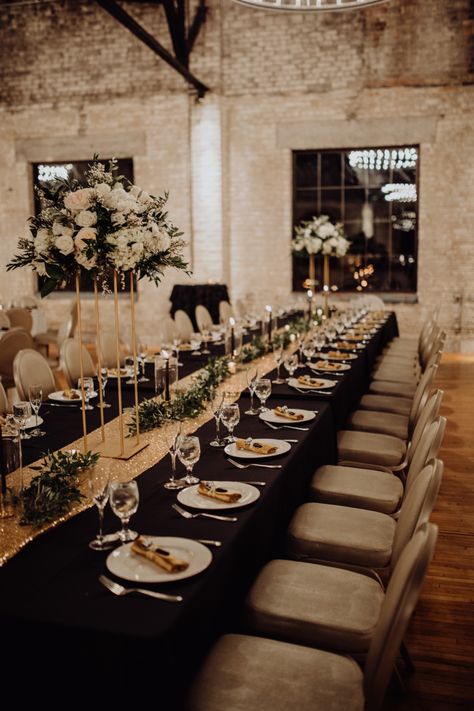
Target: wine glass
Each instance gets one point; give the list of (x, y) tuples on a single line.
[(206, 335), (319, 341), (104, 376), (176, 344), (278, 357), (142, 347), (216, 400), (290, 364), (35, 396), (189, 451), (196, 340), (98, 483), (263, 388), (308, 350), (124, 503), (88, 384), (252, 377), (21, 414), (230, 416), (171, 432)]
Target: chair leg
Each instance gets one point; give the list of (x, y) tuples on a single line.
[(407, 660)]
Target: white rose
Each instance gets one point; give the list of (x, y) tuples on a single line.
[(118, 218), (86, 263), (137, 248), (86, 218), (326, 230), (327, 249), (164, 242), (65, 244), (102, 190), (135, 191), (79, 199), (60, 229), (42, 241), (86, 233)]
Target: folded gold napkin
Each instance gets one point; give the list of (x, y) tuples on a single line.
[(159, 556), (310, 382), (205, 488), (255, 446), (327, 365), (114, 372), (71, 394), (345, 345), (337, 355), (289, 414)]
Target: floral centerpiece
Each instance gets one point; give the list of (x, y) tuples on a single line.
[(100, 223), (320, 236)]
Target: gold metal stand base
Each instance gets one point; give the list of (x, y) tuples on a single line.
[(112, 450)]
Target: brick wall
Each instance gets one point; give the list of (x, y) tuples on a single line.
[(69, 72)]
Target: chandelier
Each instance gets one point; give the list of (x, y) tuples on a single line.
[(311, 5)]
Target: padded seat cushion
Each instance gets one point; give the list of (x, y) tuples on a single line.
[(360, 488), (391, 387), (255, 674), (341, 534), (387, 423), (316, 605), (386, 403), (406, 375), (370, 448)]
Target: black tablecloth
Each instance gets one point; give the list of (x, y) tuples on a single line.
[(188, 296), (58, 623)]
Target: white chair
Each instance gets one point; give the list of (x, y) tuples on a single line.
[(225, 312), (69, 360), (66, 329), (31, 368), (108, 350), (20, 318), (203, 318), (14, 340), (4, 320), (3, 400), (184, 325), (168, 331), (261, 674)]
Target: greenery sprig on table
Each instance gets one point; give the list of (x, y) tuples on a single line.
[(52, 492)]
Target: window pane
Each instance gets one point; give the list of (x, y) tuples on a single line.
[(331, 204), (380, 205), (353, 175), (306, 170), (331, 169), (354, 199), (306, 205)]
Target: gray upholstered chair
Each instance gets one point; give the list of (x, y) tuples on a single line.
[(69, 361), (32, 368), (244, 673)]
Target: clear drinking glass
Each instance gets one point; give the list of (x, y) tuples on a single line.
[(130, 365), (21, 414), (176, 344), (263, 388), (278, 357), (98, 483), (189, 451), (104, 375), (88, 390), (216, 400), (252, 377), (171, 432), (142, 347), (196, 340), (206, 335), (35, 395), (290, 364), (124, 503), (230, 416), (308, 350)]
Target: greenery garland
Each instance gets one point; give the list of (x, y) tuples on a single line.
[(52, 492)]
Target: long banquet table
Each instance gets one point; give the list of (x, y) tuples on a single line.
[(57, 622)]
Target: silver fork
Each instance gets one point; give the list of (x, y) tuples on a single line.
[(118, 589), (254, 464), (188, 514), (311, 392), (288, 427)]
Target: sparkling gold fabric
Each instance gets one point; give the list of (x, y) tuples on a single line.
[(14, 537)]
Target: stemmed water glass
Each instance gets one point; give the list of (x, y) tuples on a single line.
[(189, 451), (104, 376), (130, 365), (142, 352), (171, 433), (308, 351), (21, 414), (98, 483), (35, 395), (124, 503), (206, 335), (216, 400), (263, 388), (278, 357), (252, 377), (319, 340), (290, 364), (88, 384), (230, 416)]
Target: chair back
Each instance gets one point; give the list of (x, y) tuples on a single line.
[(225, 311), (373, 302), (417, 506), (27, 302), (427, 448), (426, 416), (107, 350), (184, 325), (32, 368), (422, 394), (21, 318), (14, 340), (3, 400), (398, 606), (429, 354), (69, 361), (65, 330), (203, 318), (168, 330), (4, 320), (73, 314)]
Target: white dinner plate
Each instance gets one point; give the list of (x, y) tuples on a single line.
[(31, 422), (271, 416), (282, 447), (59, 397), (325, 384), (131, 566), (192, 498), (345, 356), (350, 346), (114, 376), (327, 366)]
